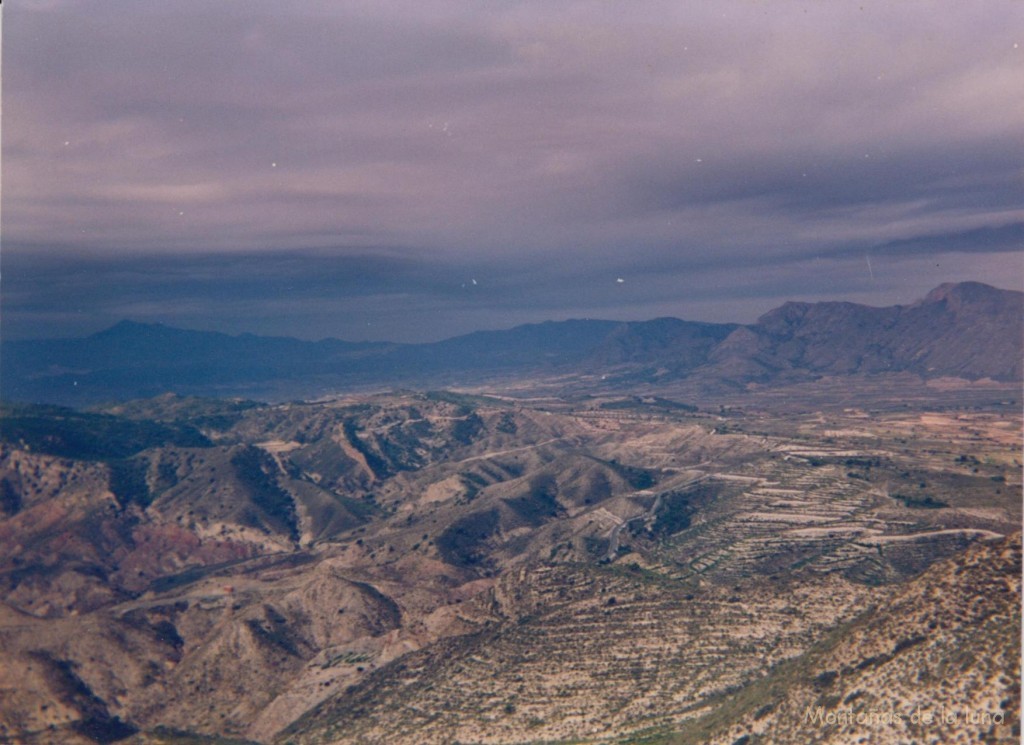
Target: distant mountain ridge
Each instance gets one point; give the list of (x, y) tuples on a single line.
[(968, 330)]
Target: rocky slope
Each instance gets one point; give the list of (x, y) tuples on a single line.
[(593, 653), (936, 661), (626, 565), (967, 330)]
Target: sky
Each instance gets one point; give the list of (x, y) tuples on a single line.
[(410, 171)]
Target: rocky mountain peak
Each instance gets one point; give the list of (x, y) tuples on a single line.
[(972, 296)]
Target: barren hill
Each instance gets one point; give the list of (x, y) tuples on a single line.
[(434, 567), (937, 661)]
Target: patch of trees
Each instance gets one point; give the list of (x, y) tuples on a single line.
[(507, 423), (925, 502), (656, 402), (636, 477), (399, 450), (673, 515), (128, 481), (275, 632), (10, 498), (471, 484), (226, 415), (257, 472), (389, 614), (67, 433), (95, 722), (864, 462), (463, 542), (377, 464), (540, 503), (465, 430)]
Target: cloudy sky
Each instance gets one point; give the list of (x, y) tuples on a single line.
[(414, 170)]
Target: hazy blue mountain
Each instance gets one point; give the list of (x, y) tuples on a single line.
[(132, 360), (967, 330)]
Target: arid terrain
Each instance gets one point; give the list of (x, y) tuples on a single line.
[(511, 373), (461, 567)]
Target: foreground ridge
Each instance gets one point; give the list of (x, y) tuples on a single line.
[(445, 566)]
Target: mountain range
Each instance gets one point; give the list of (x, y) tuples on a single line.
[(570, 549), (966, 330)]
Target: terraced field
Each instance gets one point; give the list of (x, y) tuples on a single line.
[(588, 653), (454, 567), (778, 546)]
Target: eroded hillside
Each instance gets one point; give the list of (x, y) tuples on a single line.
[(450, 567)]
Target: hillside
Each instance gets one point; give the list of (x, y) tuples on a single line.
[(967, 330), (433, 567), (691, 665), (910, 668)]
